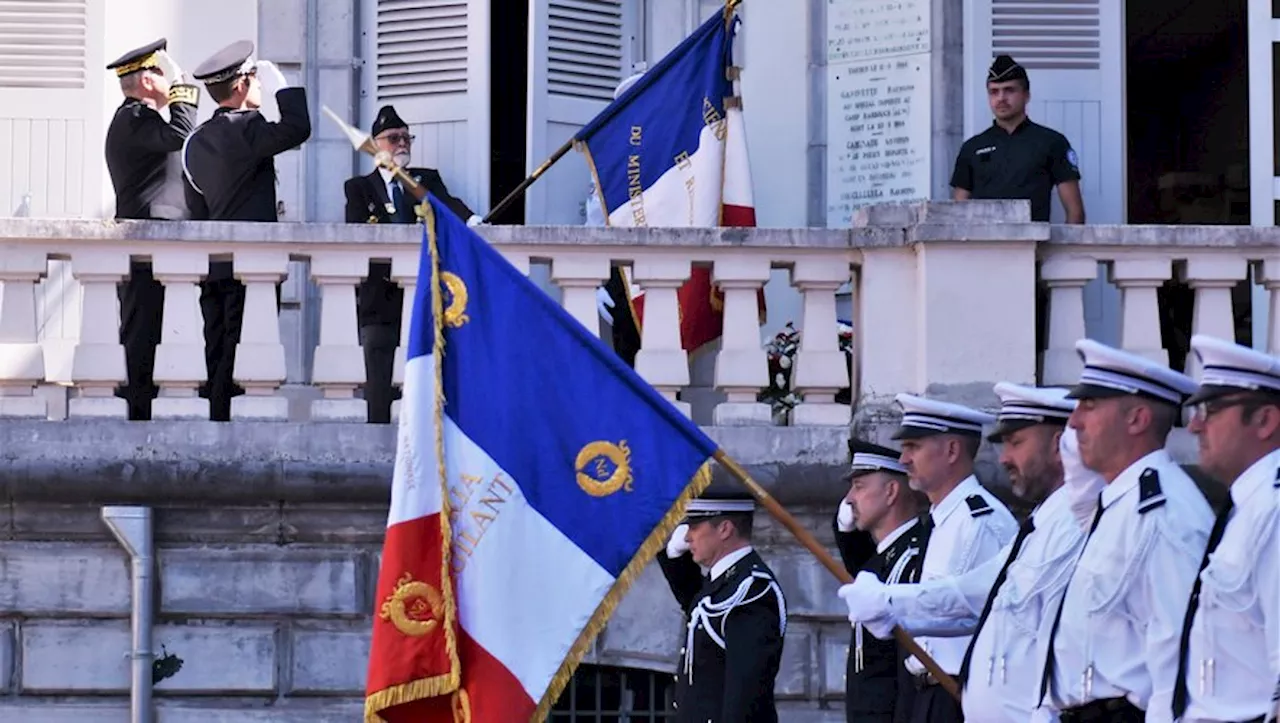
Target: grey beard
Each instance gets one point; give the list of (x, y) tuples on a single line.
[(402, 159)]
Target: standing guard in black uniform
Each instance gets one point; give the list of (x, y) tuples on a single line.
[(735, 617), (379, 198), (232, 177), (879, 529), (142, 154)]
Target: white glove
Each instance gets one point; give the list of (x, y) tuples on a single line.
[(1044, 714), (867, 598), (844, 517), (677, 546), (914, 666), (1082, 483), (270, 76), (474, 221), (604, 302), (169, 67), (881, 627)]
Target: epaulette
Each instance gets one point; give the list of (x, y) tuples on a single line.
[(1150, 494), (978, 506)]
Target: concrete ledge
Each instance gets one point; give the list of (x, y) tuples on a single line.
[(187, 463), (1198, 238)]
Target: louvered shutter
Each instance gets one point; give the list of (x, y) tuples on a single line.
[(579, 51), (1073, 52), (430, 59)]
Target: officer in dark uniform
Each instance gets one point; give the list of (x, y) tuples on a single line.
[(231, 173), (736, 616), (142, 154), (378, 198), (1018, 159), (879, 529)]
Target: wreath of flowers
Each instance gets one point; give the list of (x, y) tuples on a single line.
[(781, 351)]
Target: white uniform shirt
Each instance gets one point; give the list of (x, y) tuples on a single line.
[(1234, 652), (970, 526), (1122, 612), (1004, 673)]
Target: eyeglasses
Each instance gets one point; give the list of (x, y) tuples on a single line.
[(397, 138), (1203, 410)]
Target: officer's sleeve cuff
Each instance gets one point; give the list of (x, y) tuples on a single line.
[(182, 93)]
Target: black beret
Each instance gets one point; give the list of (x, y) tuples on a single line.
[(387, 118)]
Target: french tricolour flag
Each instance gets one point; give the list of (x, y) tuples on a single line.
[(671, 151), (535, 476)]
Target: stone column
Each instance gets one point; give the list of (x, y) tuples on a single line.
[(97, 365), (742, 367), (662, 361), (1066, 276), (1270, 278), (821, 368), (579, 274), (180, 362), (1139, 278), (260, 363), (339, 361), (21, 357), (1213, 277)]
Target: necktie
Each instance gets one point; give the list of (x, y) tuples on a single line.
[(397, 199), (1180, 693), (1028, 526), (1053, 632)]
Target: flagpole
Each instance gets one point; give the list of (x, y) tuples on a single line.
[(537, 173), (807, 539)]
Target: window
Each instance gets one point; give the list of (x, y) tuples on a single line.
[(1048, 34), (43, 43), (421, 48), (584, 48), (605, 694)]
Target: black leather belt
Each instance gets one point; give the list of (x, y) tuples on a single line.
[(924, 680), (1109, 710)]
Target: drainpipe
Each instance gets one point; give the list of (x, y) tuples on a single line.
[(132, 528)]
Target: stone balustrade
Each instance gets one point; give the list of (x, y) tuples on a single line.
[(943, 300)]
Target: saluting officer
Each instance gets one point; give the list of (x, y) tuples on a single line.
[(142, 154), (1230, 647), (1006, 602), (879, 529), (969, 526), (230, 167), (379, 198), (1112, 649), (736, 616)]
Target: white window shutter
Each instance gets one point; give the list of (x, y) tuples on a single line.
[(430, 59), (580, 50)]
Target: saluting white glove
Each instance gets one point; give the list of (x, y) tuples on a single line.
[(270, 76), (169, 67), (845, 520), (868, 601), (604, 303), (677, 546)]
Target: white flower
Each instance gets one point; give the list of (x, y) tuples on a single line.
[(785, 362), (780, 381)]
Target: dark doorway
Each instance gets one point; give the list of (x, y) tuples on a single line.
[(508, 83), (1188, 111)]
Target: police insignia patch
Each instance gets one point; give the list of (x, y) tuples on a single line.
[(603, 468), (1072, 158), (455, 300)]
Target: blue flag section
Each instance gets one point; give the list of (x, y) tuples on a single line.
[(657, 123), (593, 448)]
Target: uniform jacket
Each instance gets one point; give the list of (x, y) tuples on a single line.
[(882, 685), (735, 626), (378, 300), (230, 159), (143, 159)]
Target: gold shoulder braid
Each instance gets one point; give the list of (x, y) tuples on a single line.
[(182, 93)]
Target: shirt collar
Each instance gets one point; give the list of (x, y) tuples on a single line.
[(892, 537), (386, 175), (1128, 479), (728, 561), (1026, 122), (1052, 505), (953, 499), (1261, 475)]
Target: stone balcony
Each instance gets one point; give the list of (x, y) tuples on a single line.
[(270, 525)]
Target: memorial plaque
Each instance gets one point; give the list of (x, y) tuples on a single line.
[(879, 116)]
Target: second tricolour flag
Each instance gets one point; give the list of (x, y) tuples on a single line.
[(535, 476)]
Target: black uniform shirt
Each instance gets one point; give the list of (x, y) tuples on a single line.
[(229, 159), (1025, 164), (143, 160), (878, 687), (727, 674)]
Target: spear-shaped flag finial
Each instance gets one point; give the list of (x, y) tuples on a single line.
[(364, 142)]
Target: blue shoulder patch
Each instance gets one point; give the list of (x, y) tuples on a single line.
[(1150, 494), (978, 506)]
